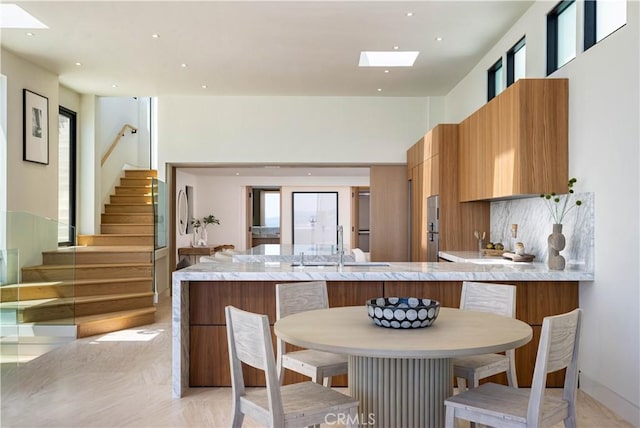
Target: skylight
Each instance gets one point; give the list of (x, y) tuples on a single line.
[(13, 16), (388, 58)]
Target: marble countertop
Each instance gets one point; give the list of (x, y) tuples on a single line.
[(283, 271)]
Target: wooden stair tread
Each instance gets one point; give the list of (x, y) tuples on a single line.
[(121, 234), (103, 249), (88, 266), (57, 301), (75, 282), (103, 317)]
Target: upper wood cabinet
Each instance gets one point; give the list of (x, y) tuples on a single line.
[(516, 144)]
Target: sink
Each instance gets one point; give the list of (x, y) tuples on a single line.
[(366, 264), (491, 261), (316, 264)]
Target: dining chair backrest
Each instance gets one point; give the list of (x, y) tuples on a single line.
[(295, 297), (486, 297), (249, 340), (558, 349)]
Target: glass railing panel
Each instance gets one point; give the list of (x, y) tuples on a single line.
[(159, 213), (37, 288)]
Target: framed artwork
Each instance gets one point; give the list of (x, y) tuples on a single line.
[(315, 218), (36, 127)]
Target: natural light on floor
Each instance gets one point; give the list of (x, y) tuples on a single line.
[(136, 335)]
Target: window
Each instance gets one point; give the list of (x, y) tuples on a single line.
[(516, 61), (66, 176), (561, 35), (495, 80), (602, 18)]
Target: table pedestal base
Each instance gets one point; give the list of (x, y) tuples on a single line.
[(396, 392)]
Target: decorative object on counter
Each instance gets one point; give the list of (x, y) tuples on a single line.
[(519, 248), (403, 312), (557, 240), (527, 258), (200, 235), (514, 236), (557, 243), (480, 240)]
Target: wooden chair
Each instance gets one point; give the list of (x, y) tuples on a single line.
[(503, 406), (320, 366), (498, 299), (300, 404)]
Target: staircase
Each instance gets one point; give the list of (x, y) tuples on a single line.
[(104, 284)]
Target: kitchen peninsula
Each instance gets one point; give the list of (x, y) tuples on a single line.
[(201, 292)]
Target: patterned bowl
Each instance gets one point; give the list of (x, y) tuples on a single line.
[(403, 312)]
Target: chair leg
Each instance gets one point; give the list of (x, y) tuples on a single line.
[(450, 419), (238, 418), (512, 379)]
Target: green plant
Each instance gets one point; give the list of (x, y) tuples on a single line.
[(554, 202), (210, 219)]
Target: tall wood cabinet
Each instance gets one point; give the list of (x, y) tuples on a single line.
[(388, 213), (432, 169), (516, 144)]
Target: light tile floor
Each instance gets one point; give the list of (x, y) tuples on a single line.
[(124, 380)]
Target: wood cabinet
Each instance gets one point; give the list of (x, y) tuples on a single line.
[(388, 214), (437, 174), (208, 355), (516, 144)]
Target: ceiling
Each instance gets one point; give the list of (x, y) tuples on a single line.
[(289, 48)]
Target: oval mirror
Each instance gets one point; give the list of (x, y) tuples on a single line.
[(183, 210)]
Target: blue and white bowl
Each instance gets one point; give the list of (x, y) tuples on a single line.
[(403, 312)]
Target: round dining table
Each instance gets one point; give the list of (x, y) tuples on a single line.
[(402, 376)]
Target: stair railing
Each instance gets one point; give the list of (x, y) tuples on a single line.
[(113, 145)]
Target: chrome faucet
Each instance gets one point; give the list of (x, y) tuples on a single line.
[(340, 246)]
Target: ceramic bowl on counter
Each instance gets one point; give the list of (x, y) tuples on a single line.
[(403, 312)]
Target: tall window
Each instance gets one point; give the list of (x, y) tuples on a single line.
[(561, 35), (495, 80), (602, 18), (66, 176), (516, 61)]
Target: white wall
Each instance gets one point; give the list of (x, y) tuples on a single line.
[(42, 180), (41, 199), (604, 156), (361, 130)]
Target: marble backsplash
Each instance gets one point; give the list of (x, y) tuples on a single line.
[(534, 226)]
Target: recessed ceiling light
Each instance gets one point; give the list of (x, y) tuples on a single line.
[(204, 86), (308, 173), (388, 59), (379, 89), (409, 13), (386, 71), (79, 64), (29, 33), (438, 39), (13, 16), (237, 173), (155, 36), (395, 48), (114, 86), (183, 65)]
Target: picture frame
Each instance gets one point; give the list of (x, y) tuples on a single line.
[(36, 127)]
